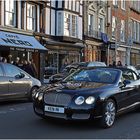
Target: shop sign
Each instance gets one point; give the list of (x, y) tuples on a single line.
[(19, 41)]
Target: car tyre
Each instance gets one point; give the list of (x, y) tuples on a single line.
[(109, 114), (32, 93)]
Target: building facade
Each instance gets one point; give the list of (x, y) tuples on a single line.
[(134, 31), (124, 31), (19, 22), (63, 33), (95, 30)]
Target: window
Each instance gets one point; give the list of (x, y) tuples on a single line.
[(74, 25), (59, 23), (101, 25), (122, 34), (134, 31), (113, 26), (70, 25), (138, 32), (115, 2), (11, 71), (123, 4), (10, 13), (67, 24), (90, 22), (31, 17)]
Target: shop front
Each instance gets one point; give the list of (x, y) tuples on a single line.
[(95, 51), (61, 54), (23, 47), (135, 57)]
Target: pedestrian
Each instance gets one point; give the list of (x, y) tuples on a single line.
[(4, 60), (119, 63), (28, 68), (114, 64), (33, 67), (16, 63)]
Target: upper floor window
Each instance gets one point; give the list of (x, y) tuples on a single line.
[(115, 2), (67, 24), (74, 25), (122, 33), (123, 4), (31, 17), (113, 26), (101, 25), (90, 22), (70, 25), (10, 13)]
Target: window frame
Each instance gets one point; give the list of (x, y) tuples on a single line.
[(123, 5), (10, 12), (33, 18), (122, 31)]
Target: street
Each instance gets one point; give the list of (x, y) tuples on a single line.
[(18, 120)]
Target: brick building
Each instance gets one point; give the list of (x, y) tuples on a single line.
[(124, 31)]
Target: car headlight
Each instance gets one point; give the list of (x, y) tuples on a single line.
[(40, 96), (36, 95), (90, 100), (79, 100)]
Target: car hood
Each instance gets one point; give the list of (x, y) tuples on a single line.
[(74, 87)]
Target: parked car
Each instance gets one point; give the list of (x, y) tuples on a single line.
[(90, 93), (71, 68), (16, 83)]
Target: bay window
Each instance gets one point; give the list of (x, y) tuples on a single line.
[(70, 25)]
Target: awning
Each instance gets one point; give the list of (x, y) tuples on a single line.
[(58, 43), (20, 42)]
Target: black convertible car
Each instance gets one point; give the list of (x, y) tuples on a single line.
[(90, 93)]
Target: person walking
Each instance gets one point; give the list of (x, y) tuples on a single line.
[(119, 63)]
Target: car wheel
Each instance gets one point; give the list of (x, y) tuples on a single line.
[(32, 93), (109, 114)]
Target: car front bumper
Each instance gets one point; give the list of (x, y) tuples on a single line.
[(70, 113)]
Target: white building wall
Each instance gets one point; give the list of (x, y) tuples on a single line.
[(2, 12), (53, 26), (47, 21)]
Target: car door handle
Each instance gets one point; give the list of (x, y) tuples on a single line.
[(11, 81)]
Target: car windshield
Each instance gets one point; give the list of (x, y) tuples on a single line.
[(100, 75)]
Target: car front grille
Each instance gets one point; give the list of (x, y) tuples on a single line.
[(58, 99)]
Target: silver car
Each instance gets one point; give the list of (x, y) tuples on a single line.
[(16, 83)]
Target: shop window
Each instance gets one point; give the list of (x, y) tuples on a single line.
[(31, 17), (10, 13)]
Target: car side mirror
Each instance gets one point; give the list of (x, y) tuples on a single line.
[(126, 82), (20, 76)]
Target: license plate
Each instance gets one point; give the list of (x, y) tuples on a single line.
[(54, 109)]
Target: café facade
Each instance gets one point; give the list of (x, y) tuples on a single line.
[(26, 47)]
